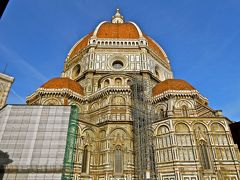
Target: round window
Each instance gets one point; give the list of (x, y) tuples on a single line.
[(76, 71), (117, 64)]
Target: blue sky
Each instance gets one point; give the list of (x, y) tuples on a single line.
[(201, 39)]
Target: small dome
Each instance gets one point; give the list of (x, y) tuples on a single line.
[(63, 83), (171, 84)]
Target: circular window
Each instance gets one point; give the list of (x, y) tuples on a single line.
[(76, 71), (117, 64)]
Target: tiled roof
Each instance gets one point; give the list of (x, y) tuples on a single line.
[(82, 43), (60, 83), (171, 84), (155, 47), (118, 31)]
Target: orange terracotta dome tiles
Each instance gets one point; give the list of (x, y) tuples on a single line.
[(152, 45), (171, 84), (61, 83), (82, 44), (118, 30)]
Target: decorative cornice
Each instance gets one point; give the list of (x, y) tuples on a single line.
[(6, 77), (63, 91), (115, 90), (108, 90), (89, 98), (178, 93)]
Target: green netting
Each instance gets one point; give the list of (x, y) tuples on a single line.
[(70, 150)]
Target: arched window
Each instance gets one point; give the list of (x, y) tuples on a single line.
[(52, 102), (162, 113), (106, 83), (157, 71), (118, 81), (118, 165), (221, 142), (85, 160), (76, 71), (163, 150), (184, 142), (129, 82), (184, 111), (204, 155)]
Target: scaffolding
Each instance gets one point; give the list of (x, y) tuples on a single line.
[(143, 116)]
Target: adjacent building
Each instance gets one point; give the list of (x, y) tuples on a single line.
[(5, 85), (33, 141)]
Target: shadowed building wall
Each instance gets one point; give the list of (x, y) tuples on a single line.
[(5, 85)]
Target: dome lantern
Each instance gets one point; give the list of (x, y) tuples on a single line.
[(117, 18)]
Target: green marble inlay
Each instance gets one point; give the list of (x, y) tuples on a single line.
[(70, 150)]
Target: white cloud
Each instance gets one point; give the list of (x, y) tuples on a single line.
[(25, 66), (20, 98)]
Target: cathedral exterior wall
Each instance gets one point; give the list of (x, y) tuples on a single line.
[(179, 136), (179, 143)]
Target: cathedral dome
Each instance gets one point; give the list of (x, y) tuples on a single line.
[(171, 84), (118, 29), (82, 43), (63, 83)]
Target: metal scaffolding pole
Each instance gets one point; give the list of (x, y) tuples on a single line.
[(143, 116)]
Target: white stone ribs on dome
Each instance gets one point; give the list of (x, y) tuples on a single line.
[(138, 29), (97, 28), (70, 52), (165, 55), (101, 23), (116, 42)]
